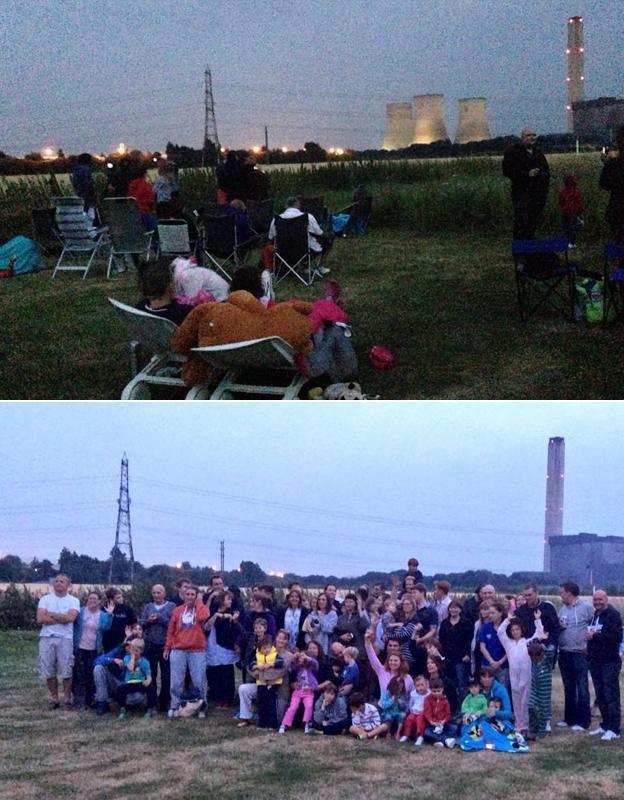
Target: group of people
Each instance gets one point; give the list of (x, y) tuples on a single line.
[(396, 661), (527, 168)]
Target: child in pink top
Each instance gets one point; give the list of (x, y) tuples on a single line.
[(511, 635), (306, 669)]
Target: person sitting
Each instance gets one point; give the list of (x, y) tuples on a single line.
[(330, 713), (437, 712), (157, 289), (143, 192), (474, 705), (137, 678), (319, 243), (108, 670), (365, 720), (194, 285)]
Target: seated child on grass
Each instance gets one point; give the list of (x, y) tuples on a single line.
[(414, 727), (475, 703), (137, 678), (439, 730), (156, 289), (393, 705), (331, 716), (365, 720)]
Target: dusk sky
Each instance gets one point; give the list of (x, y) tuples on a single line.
[(87, 76), (307, 487)]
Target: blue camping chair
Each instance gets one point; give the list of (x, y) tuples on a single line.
[(613, 280), (541, 281)]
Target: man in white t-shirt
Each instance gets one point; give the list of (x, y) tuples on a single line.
[(56, 613)]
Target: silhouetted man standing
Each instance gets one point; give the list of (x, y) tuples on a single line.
[(526, 166)]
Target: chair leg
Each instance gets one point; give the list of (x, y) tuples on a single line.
[(58, 263)]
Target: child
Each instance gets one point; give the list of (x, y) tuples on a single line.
[(492, 715), (389, 617), (571, 205), (157, 290), (137, 678), (475, 704), (350, 674), (437, 712), (267, 667), (512, 638), (415, 720), (394, 705), (306, 671), (330, 713), (365, 720), (541, 681)]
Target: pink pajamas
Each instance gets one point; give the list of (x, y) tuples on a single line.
[(300, 695), (519, 671)]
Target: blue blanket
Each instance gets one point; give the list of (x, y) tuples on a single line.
[(497, 735)]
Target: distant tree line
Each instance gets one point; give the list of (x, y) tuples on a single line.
[(87, 569), (311, 152)]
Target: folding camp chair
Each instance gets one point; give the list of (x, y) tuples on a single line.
[(219, 242), (79, 236), (249, 368), (315, 206), (173, 237), (260, 215), (149, 336), (45, 231), (127, 233), (291, 253), (613, 281), (540, 283)]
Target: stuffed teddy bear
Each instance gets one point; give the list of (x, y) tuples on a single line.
[(240, 318)]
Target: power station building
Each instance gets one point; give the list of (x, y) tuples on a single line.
[(588, 559), (598, 119)]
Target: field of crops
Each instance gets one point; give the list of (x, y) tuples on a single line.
[(427, 196)]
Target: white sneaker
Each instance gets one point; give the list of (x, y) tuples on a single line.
[(170, 714), (306, 728), (578, 728), (450, 742), (282, 730), (597, 731), (403, 739), (609, 736), (324, 270), (438, 744), (419, 742), (562, 724), (548, 728)]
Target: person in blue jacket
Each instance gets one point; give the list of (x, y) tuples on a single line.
[(109, 670), (493, 689)]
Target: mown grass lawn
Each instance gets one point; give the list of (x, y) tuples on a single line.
[(444, 304), (46, 755)]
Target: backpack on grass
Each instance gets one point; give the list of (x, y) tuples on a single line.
[(22, 254)]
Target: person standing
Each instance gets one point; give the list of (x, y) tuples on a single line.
[(89, 626), (612, 180), (185, 647), (155, 621), (526, 167), (574, 617), (56, 614), (123, 616), (604, 637)]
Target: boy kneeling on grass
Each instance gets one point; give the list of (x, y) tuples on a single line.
[(365, 720), (137, 678)]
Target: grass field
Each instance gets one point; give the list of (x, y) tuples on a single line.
[(432, 280), (46, 755)]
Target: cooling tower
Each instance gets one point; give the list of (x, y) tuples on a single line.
[(473, 124), (399, 126), (576, 67), (429, 125)]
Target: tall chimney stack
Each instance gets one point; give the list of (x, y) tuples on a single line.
[(576, 67), (399, 126), (473, 125), (429, 123), (553, 522)]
